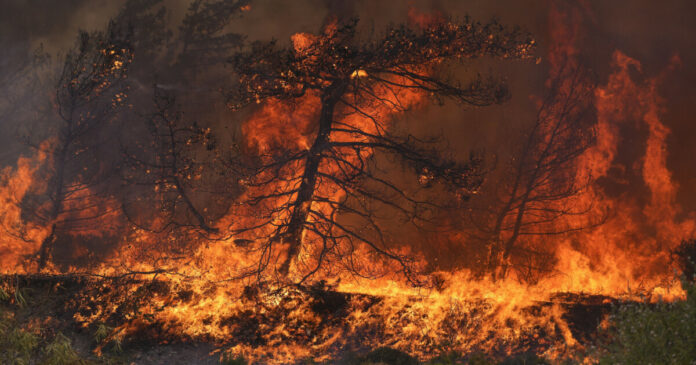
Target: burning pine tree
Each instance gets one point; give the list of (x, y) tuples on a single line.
[(315, 186), (325, 182), (88, 96)]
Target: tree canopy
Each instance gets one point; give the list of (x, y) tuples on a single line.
[(316, 198)]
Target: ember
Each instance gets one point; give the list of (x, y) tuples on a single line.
[(308, 198)]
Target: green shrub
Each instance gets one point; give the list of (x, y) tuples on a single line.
[(233, 360), (20, 347), (379, 356), (388, 356), (524, 359), (4, 295), (451, 358), (16, 346), (662, 333), (456, 358), (103, 333), (60, 352)]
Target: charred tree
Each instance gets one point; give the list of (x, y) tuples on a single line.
[(171, 171), (312, 194), (88, 95), (203, 37), (540, 186), (173, 185)]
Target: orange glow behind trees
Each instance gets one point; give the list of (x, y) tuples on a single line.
[(218, 227), (352, 90)]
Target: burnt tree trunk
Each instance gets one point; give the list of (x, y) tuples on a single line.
[(303, 200), (500, 253), (498, 250), (174, 171), (57, 197)]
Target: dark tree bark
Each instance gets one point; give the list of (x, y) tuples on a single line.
[(88, 96), (537, 194), (169, 169), (301, 205), (353, 79)]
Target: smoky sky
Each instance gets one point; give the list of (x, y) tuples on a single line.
[(650, 31)]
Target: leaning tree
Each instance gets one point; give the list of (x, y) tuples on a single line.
[(316, 191), (88, 95)]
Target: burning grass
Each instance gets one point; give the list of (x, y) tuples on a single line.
[(77, 319), (293, 324), (299, 261)]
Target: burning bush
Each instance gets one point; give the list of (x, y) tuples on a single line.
[(297, 234)]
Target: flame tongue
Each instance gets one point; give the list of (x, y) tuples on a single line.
[(627, 253), (622, 252), (19, 238)]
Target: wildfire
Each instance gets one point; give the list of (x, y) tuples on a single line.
[(185, 284), (19, 238)]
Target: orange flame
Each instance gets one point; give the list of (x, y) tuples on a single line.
[(626, 255)]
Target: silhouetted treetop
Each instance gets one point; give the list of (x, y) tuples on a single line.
[(317, 203), (316, 61)]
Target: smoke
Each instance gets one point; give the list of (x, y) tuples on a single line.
[(652, 33), (649, 31)]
